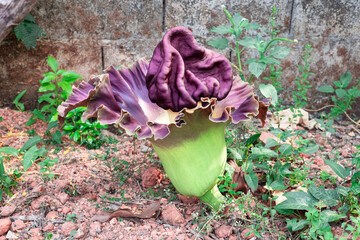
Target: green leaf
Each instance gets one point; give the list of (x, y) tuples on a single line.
[(340, 93), (30, 143), (236, 153), (331, 216), (70, 77), (268, 90), (296, 201), (311, 149), (47, 98), (39, 115), (278, 185), (9, 150), (30, 121), (339, 170), (294, 225), (29, 157), (248, 42), (257, 68), (48, 77), (252, 180), (262, 152), (285, 149), (52, 63), (67, 88), (252, 26), (47, 87), (271, 143), (279, 52), (269, 60), (222, 29), (57, 136), (237, 18), (219, 43), (76, 136), (345, 79), (19, 96), (326, 89), (253, 138), (327, 196), (51, 126)]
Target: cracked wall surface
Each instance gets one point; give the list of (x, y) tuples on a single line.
[(87, 36)]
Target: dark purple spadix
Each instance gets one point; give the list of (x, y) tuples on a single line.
[(181, 72)]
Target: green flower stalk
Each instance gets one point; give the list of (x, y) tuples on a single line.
[(182, 102)]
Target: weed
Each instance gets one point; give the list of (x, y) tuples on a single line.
[(344, 96), (28, 31), (85, 133), (302, 82), (71, 217)]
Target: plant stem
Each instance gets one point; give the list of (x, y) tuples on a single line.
[(277, 39), (213, 198)]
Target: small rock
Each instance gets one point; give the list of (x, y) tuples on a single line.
[(63, 197), (232, 237), (244, 233), (35, 232), (79, 234), (17, 225), (151, 177), (145, 149), (172, 216), (51, 215), (66, 210), (68, 227), (187, 200), (95, 228), (49, 227), (113, 221), (4, 225), (38, 189), (7, 210), (319, 162), (223, 231), (11, 235), (36, 203)]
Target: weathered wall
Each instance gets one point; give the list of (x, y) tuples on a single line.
[(86, 36)]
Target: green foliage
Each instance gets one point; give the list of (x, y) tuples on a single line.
[(56, 86), (269, 52), (85, 133), (71, 218), (19, 105), (28, 31), (345, 97), (302, 82)]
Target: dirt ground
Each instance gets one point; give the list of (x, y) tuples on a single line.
[(88, 200)]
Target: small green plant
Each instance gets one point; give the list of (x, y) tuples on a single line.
[(46, 165), (73, 190), (71, 218), (18, 104), (48, 236), (344, 97), (28, 31), (302, 82), (56, 86), (269, 51), (87, 133)]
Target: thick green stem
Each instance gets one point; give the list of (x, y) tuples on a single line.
[(214, 198), (194, 156)]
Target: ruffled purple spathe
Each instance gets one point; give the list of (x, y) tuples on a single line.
[(182, 77)]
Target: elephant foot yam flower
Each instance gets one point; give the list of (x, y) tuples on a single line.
[(182, 102)]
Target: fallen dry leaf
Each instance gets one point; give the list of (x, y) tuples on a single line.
[(127, 213)]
